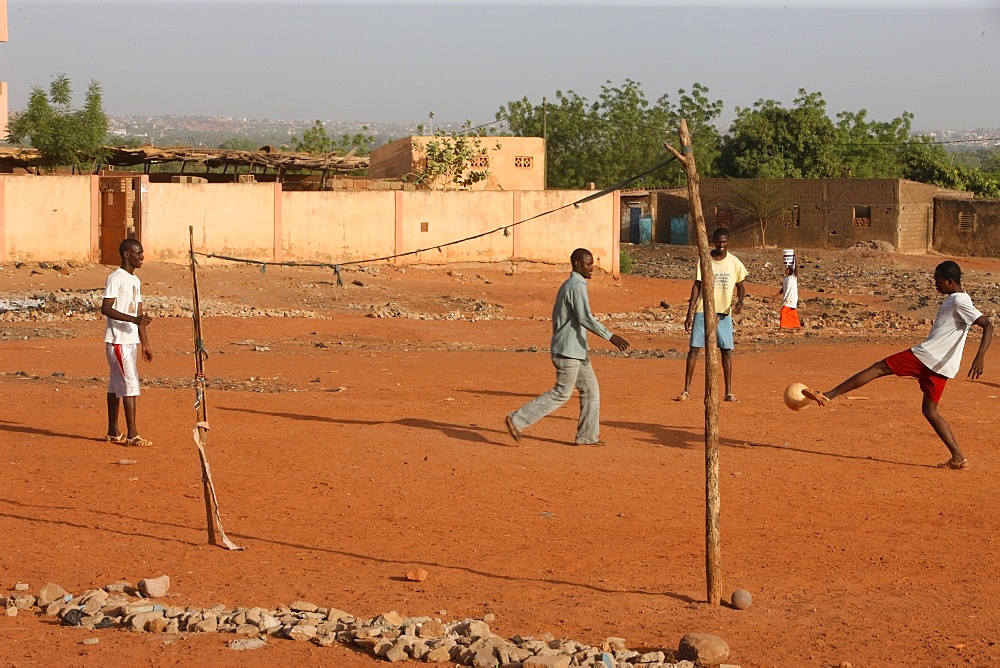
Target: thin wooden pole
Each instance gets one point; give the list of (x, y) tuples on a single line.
[(713, 543), (200, 405)]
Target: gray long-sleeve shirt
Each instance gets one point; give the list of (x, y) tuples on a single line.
[(571, 318)]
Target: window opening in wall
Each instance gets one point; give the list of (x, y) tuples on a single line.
[(966, 222), (479, 161), (862, 216), (723, 217), (524, 161), (790, 217)]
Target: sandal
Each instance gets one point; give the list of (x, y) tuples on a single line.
[(683, 396), (952, 464), (119, 439), (137, 442), (731, 397), (816, 396)]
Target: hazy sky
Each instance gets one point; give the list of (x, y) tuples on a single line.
[(395, 61)]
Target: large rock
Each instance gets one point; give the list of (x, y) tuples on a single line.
[(558, 661), (704, 649), (155, 587), (50, 593)]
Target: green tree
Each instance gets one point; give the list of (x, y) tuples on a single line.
[(361, 142), (617, 136), (869, 149), (64, 136), (315, 141), (769, 141)]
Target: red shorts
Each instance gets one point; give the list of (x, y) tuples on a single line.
[(789, 318), (906, 364)]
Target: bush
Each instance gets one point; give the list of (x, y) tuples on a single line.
[(626, 262)]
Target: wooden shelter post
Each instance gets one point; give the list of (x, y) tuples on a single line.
[(713, 543)]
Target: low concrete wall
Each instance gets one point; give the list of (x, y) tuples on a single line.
[(57, 218), (47, 218)]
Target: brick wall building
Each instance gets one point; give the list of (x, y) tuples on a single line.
[(823, 213)]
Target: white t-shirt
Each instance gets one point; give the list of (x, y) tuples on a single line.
[(941, 352), (790, 289), (728, 272), (123, 287)]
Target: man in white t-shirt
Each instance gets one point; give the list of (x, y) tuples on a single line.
[(124, 333), (935, 360), (729, 275)]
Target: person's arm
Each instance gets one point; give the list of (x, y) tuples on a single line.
[(741, 293), (108, 309), (976, 370), (147, 352), (581, 306), (692, 300)]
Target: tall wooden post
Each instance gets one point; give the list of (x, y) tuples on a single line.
[(713, 543), (201, 407)]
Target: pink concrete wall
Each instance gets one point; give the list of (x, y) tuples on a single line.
[(235, 219), (553, 237), (56, 217), (449, 216), (46, 218), (337, 226)]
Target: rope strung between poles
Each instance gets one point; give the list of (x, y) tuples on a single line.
[(504, 228)]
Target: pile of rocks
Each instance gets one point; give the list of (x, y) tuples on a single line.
[(390, 636)]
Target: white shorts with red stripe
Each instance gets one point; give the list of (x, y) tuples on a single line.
[(122, 359)]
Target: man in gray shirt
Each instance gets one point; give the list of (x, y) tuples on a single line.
[(571, 318)]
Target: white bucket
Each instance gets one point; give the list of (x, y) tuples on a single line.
[(788, 255)]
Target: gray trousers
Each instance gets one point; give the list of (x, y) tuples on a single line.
[(570, 373)]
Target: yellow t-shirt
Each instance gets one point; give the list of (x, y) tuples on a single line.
[(728, 272)]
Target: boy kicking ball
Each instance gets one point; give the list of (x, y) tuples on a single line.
[(935, 360)]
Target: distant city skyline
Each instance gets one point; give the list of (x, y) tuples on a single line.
[(395, 62)]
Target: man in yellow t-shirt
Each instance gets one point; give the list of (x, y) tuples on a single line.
[(729, 275)]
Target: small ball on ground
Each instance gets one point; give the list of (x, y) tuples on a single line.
[(741, 599), (794, 398)]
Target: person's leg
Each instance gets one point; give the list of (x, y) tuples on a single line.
[(727, 373), (692, 361), (113, 415), (129, 405), (943, 430), (566, 372), (860, 379), (589, 428)]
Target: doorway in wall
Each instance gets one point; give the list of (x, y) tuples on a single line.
[(117, 221)]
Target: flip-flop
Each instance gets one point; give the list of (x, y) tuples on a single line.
[(816, 396), (683, 396), (952, 464), (514, 433)]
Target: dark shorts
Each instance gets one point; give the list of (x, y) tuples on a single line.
[(907, 365)]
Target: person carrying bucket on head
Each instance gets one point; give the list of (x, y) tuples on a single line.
[(789, 315)]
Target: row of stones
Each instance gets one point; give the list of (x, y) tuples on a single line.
[(468, 642)]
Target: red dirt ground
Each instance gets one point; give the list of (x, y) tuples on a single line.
[(854, 546)]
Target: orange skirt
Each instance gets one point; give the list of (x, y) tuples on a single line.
[(789, 318)]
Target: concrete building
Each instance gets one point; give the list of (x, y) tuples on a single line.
[(964, 226), (821, 213), (514, 163)]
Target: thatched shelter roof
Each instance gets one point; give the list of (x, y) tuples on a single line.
[(265, 158)]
